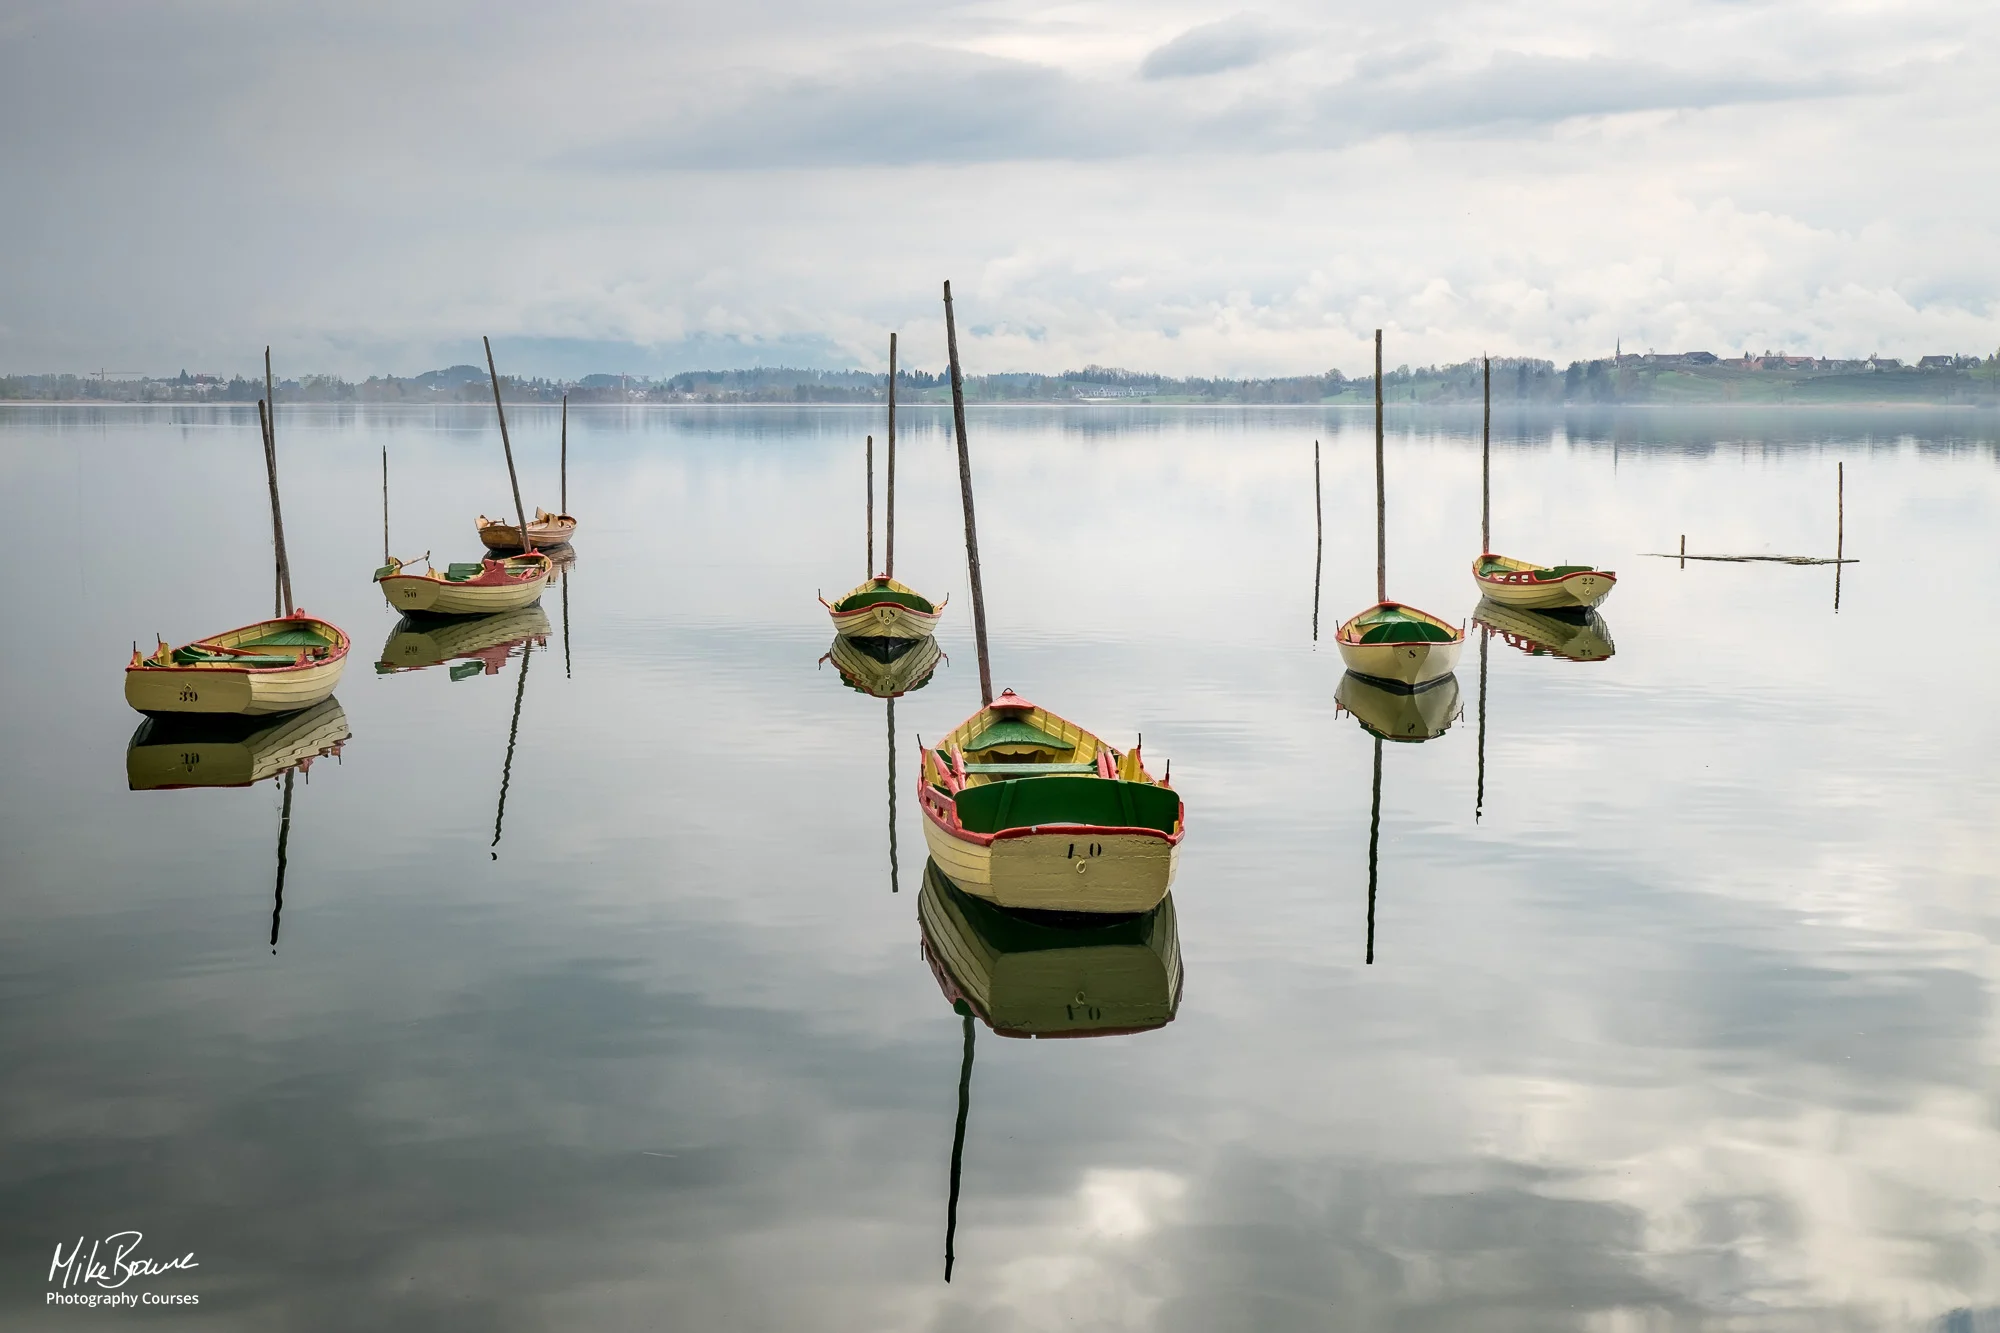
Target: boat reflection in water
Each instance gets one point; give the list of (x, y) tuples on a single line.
[(482, 643), (1392, 714), (1580, 636), (226, 750), (884, 668), (1050, 974), (191, 750), (1042, 974)]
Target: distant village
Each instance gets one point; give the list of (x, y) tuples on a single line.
[(1623, 377)]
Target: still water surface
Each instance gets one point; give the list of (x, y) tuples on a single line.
[(1680, 1010)]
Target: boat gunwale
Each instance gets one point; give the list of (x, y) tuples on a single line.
[(1341, 635), (1533, 572), (336, 652)]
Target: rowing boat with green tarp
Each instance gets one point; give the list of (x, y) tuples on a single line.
[(273, 666), (1028, 810), (1048, 975), (1400, 645), (882, 608), (1513, 582), (475, 588)]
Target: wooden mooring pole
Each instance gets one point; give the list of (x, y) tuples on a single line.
[(889, 535), (965, 497), (270, 424), (869, 573), (1486, 467), (562, 501), (520, 514), (1319, 539), (1381, 495), (386, 557)]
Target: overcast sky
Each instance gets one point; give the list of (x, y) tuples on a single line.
[(1169, 186)]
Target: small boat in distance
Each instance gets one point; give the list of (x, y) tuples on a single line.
[(1028, 810), (545, 529), (1038, 975), (882, 608), (1580, 636), (476, 588), (1517, 583), (273, 666), (182, 750), (1399, 645)]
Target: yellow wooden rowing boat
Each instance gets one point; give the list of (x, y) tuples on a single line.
[(1511, 582), (885, 668), (477, 588), (1028, 810), (1580, 636), (273, 666), (182, 750), (545, 528), (1043, 977), (1400, 645), (1396, 714), (882, 608)]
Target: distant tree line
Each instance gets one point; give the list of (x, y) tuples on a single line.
[(1625, 379)]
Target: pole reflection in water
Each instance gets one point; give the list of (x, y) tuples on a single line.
[(284, 836), (1042, 974), (513, 733), (958, 1142), (891, 705), (1374, 843), (1479, 795)]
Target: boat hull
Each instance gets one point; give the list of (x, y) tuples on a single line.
[(1067, 868), (1410, 664), (439, 597), (885, 620), (1580, 591), (881, 617), (246, 691)]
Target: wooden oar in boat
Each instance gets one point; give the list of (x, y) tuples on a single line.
[(1390, 642), (1028, 810), (1517, 583)]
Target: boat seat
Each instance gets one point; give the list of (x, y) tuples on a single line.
[(196, 656), (290, 638), (457, 573), (1029, 770)]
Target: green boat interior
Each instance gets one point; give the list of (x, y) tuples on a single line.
[(1014, 737), (1392, 624), (1067, 798), (457, 573), (875, 594), (196, 655), (297, 636), (1489, 565)]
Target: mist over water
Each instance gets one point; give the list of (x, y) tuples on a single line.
[(1680, 1013)]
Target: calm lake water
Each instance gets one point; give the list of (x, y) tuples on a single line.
[(1681, 1012)]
